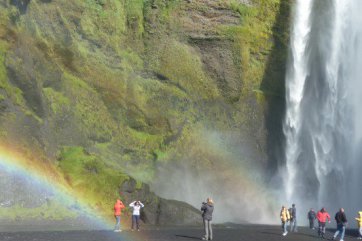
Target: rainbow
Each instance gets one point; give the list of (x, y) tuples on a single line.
[(14, 164)]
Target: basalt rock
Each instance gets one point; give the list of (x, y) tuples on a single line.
[(159, 211)]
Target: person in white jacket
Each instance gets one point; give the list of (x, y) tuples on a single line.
[(136, 205)]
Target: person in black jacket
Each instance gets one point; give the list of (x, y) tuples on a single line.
[(207, 210), (311, 218), (341, 221), (293, 219)]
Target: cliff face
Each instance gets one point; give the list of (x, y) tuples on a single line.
[(144, 85)]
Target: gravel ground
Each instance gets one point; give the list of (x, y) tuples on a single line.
[(240, 233)]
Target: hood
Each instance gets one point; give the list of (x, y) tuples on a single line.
[(360, 213)]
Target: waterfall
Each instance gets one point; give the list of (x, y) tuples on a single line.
[(323, 119)]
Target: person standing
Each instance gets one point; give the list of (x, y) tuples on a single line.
[(359, 224), (207, 210), (136, 205), (311, 218), (293, 219), (341, 221), (322, 217), (118, 206), (284, 217)]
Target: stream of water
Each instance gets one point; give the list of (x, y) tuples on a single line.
[(323, 121)]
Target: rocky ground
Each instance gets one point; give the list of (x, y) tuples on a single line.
[(241, 233)]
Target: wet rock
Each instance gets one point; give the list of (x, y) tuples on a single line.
[(22, 5)]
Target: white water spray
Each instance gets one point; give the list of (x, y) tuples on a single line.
[(296, 77), (323, 122)]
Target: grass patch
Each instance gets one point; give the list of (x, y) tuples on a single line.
[(87, 174), (50, 211)]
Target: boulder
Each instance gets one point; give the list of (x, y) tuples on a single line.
[(158, 211)]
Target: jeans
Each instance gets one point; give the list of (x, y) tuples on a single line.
[(360, 231), (136, 221), (285, 226), (311, 223), (340, 229), (208, 229), (321, 228), (293, 225), (118, 223)]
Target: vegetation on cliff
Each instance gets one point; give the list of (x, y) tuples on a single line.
[(111, 88)]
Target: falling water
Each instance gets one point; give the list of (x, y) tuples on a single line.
[(323, 122)]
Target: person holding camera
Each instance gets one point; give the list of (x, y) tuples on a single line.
[(207, 210)]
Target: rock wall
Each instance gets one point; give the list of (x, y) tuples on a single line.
[(143, 85)]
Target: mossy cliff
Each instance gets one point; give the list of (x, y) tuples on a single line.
[(136, 84)]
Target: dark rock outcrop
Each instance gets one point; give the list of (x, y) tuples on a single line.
[(159, 211)]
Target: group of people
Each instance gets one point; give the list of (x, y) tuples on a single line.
[(289, 215), (322, 216), (136, 213), (207, 209)]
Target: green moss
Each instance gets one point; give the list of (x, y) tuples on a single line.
[(160, 155), (243, 9), (15, 94), (3, 133), (118, 105), (3, 73), (134, 10), (139, 184), (51, 211), (184, 69), (89, 109), (105, 20), (57, 100), (90, 177), (30, 113), (167, 9), (144, 140), (253, 38)]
